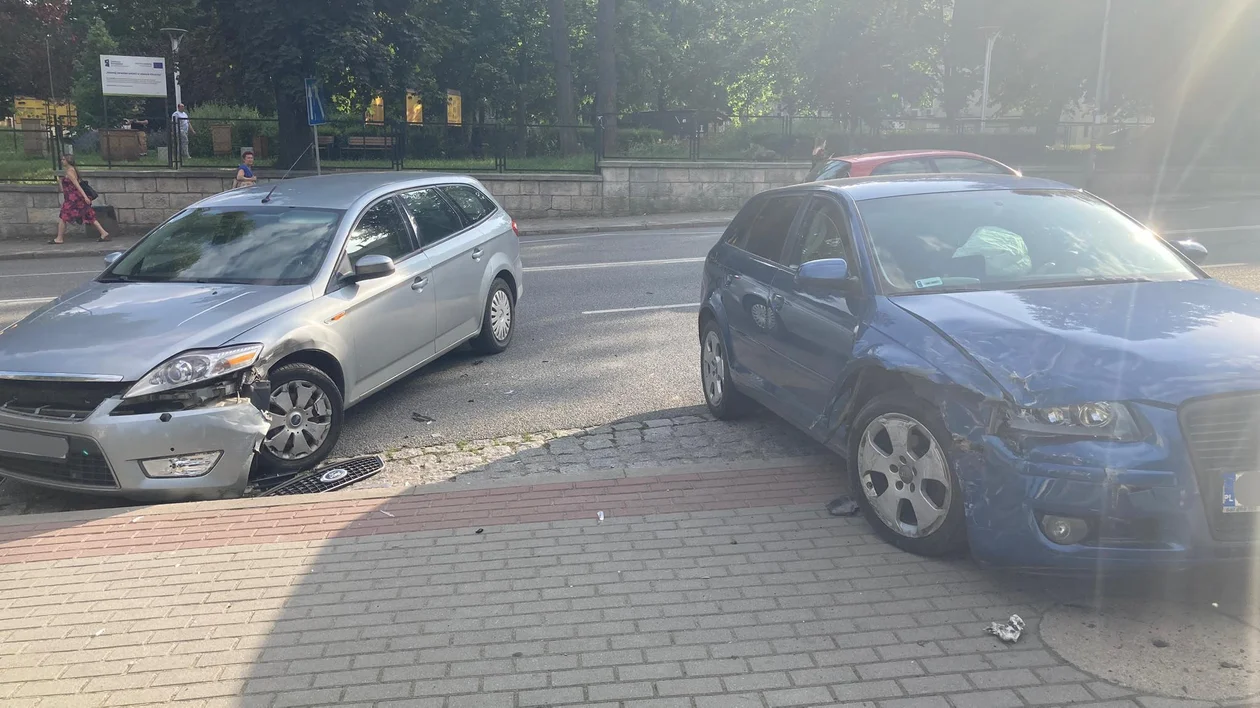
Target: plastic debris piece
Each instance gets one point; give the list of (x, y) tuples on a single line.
[(479, 531), (844, 506), (1008, 632), (386, 513), (421, 418), (600, 514)]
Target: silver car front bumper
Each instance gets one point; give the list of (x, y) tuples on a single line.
[(104, 452)]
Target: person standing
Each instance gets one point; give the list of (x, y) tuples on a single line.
[(183, 128), (76, 207), (245, 171)]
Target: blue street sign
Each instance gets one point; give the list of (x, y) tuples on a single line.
[(314, 105)]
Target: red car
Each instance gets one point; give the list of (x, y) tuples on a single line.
[(906, 162)]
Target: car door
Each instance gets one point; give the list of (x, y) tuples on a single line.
[(751, 262), (456, 251), (389, 320), (817, 328)]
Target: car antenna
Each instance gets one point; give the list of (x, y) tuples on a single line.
[(267, 198)]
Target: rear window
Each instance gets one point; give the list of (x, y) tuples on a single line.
[(967, 165), (474, 205)]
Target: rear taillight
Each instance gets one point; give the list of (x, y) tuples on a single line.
[(516, 229)]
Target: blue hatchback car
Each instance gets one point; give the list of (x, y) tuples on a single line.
[(1005, 363)]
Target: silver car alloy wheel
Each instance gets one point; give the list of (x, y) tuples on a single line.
[(301, 417), (500, 315), (713, 368), (904, 474)]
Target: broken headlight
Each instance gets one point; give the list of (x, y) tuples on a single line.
[(195, 367), (1108, 421), (183, 399)]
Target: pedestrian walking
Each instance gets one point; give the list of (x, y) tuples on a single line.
[(245, 171), (183, 128), (77, 206)]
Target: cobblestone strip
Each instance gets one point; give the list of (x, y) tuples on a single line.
[(135, 532), (780, 606)]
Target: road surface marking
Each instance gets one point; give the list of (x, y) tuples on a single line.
[(527, 241), (686, 305), (613, 264), (27, 301), (1212, 230), (64, 272)]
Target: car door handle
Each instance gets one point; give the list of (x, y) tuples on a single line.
[(731, 277), (419, 283), (476, 254)]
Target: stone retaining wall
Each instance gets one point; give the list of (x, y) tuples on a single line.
[(140, 199)]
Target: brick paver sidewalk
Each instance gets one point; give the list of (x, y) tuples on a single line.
[(719, 588)]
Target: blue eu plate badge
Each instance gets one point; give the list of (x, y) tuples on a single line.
[(1240, 492)]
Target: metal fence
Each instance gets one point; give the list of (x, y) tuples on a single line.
[(31, 155)]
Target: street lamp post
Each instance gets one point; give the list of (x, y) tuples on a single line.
[(1098, 94), (176, 35), (993, 34)]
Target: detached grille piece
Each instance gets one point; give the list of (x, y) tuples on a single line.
[(330, 477)]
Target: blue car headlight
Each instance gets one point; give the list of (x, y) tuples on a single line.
[(1108, 421)]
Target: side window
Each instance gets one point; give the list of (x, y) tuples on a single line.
[(435, 219), (836, 169), (824, 232), (768, 232), (968, 166), (381, 231), (904, 167), (475, 205)]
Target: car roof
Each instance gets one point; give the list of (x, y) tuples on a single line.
[(865, 188), (897, 154), (332, 191)]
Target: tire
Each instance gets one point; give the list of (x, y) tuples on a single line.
[(499, 302), (725, 402), (308, 392), (891, 430)]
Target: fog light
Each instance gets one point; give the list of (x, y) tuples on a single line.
[(194, 465), (1064, 530)]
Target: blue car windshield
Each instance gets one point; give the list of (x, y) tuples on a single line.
[(1001, 240), (252, 245)]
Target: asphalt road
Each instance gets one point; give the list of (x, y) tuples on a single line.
[(606, 331)]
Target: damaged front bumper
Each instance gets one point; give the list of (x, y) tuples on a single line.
[(1111, 505), (145, 456)]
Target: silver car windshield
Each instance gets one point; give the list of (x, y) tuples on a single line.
[(1001, 240), (250, 245)]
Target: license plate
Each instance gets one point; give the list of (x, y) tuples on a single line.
[(1240, 492), (34, 444)]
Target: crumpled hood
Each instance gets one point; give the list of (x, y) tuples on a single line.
[(1162, 342), (125, 329)]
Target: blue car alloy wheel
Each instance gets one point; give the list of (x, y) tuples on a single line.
[(899, 458)]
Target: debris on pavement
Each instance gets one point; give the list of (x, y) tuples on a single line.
[(600, 516), (329, 478), (1009, 631), (843, 506), (422, 418), (479, 531)]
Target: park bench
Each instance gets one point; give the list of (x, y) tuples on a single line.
[(366, 143)]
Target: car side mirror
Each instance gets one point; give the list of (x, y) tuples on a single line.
[(824, 274), (1192, 250), (371, 267), (112, 258)]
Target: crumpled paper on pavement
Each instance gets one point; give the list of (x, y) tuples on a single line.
[(1009, 631)]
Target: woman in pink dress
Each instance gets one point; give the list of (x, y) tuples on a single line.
[(76, 207)]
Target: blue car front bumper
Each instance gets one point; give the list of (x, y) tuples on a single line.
[(1145, 505)]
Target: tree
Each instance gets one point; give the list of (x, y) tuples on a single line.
[(86, 91), (606, 86), (566, 111)]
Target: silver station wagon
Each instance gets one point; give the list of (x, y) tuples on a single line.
[(232, 338)]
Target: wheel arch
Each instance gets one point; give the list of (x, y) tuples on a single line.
[(319, 359)]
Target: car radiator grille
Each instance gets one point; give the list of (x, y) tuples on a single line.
[(60, 400), (1223, 434), (85, 465)]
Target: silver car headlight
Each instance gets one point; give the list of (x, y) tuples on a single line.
[(195, 367), (1110, 421)]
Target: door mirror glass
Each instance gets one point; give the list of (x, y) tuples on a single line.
[(112, 258), (374, 266), (825, 273), (1192, 250)]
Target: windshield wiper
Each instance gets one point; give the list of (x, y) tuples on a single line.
[(1093, 280)]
